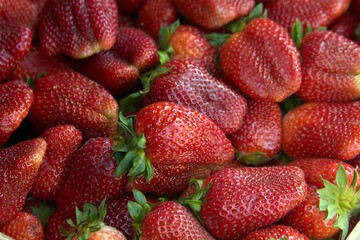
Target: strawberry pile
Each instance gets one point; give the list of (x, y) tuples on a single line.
[(179, 119)]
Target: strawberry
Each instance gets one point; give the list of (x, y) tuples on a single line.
[(18, 168), (355, 4), (262, 61), (69, 97), (78, 28), (190, 85), (215, 13), (62, 142), (259, 137), (23, 226), (319, 13), (15, 41), (39, 208), (16, 99), (155, 14), (129, 6), (245, 199), (91, 176), (310, 129), (56, 220), (276, 232), (330, 68), (346, 24)]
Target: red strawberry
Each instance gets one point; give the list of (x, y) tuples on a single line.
[(311, 128), (355, 4), (15, 41), (91, 176), (276, 232), (215, 13), (62, 142), (330, 68), (128, 6), (57, 219), (18, 168), (155, 14), (73, 99), (262, 61), (192, 86), (346, 24), (16, 99), (125, 21), (23, 226), (245, 199), (317, 13), (78, 28), (39, 208), (259, 137)]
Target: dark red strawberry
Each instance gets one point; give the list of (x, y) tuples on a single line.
[(39, 208), (68, 97), (214, 13), (91, 176), (78, 28), (330, 68), (317, 13), (18, 168), (57, 219), (259, 137), (16, 99), (311, 128), (276, 232), (155, 14), (125, 20), (129, 6), (15, 41), (262, 61), (355, 4), (346, 24), (62, 143)]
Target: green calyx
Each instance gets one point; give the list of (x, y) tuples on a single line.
[(255, 158), (130, 152), (340, 200), (89, 220), (298, 33), (281, 238), (43, 212)]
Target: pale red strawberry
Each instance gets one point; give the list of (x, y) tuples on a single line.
[(311, 128), (214, 13), (129, 6), (18, 168), (262, 61), (330, 68), (15, 41), (67, 97), (259, 137), (62, 143), (318, 13), (78, 28), (276, 232), (16, 99)]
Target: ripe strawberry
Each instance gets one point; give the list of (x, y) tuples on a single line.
[(215, 13), (78, 28), (355, 4), (57, 219), (262, 61), (259, 137), (330, 68), (39, 208), (190, 85), (16, 99), (91, 176), (23, 226), (245, 199), (317, 13), (76, 100), (129, 6), (155, 14), (277, 232), (311, 128), (346, 24), (62, 142), (18, 168), (15, 41)]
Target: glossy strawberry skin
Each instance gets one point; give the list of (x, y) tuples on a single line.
[(78, 28), (19, 167), (170, 220), (15, 41), (317, 13), (176, 134), (57, 219), (262, 61), (91, 176), (16, 99), (330, 68), (276, 232), (346, 24), (310, 129), (69, 98), (242, 200), (215, 13), (62, 142)]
